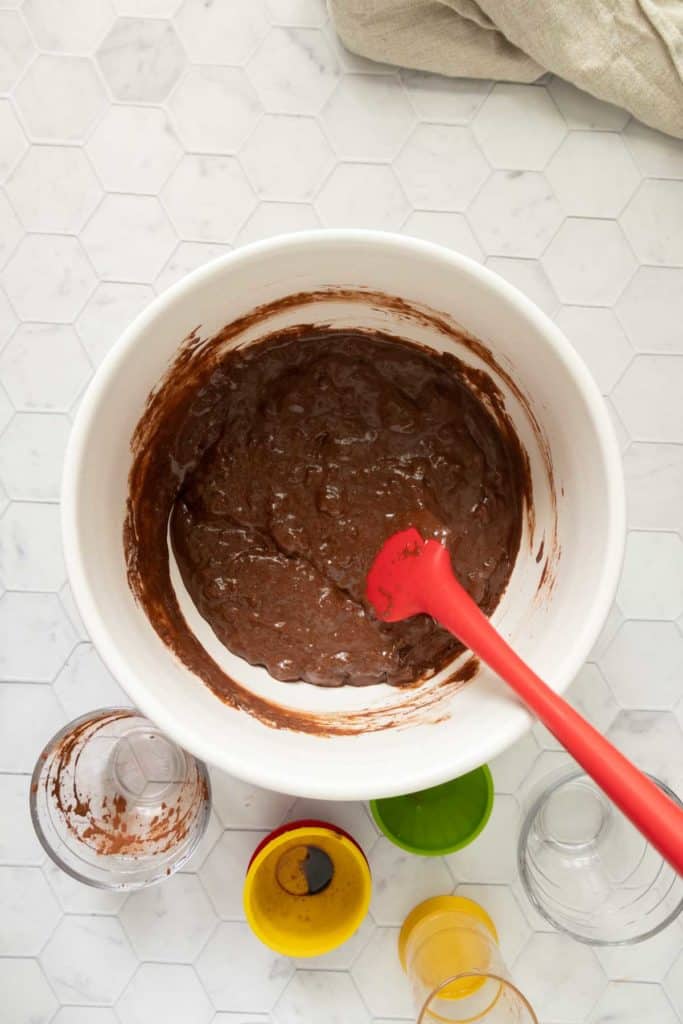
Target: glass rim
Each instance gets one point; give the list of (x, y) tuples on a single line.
[(97, 883), (464, 975), (535, 806)]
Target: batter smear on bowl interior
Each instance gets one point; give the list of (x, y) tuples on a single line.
[(294, 461)]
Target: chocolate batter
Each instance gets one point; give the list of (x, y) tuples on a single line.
[(297, 459)]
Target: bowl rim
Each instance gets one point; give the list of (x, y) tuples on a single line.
[(316, 786)]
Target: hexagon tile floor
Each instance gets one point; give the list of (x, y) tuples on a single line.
[(139, 138)]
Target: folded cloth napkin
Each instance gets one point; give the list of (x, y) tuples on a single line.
[(628, 52)]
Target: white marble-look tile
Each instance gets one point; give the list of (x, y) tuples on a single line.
[(515, 214), (28, 909), (77, 898), (530, 277), (68, 25), (441, 167), (38, 639), (643, 961), (221, 33), (11, 230), (653, 222), (85, 683), (29, 716), (54, 189), (519, 127), (133, 149), (653, 739), (26, 996), (654, 484), (623, 438), (67, 602), (31, 547), (85, 1015), (352, 817), (44, 368), (6, 410), (364, 196), (562, 979), (223, 872), (214, 109), (129, 238), (170, 993), (213, 831), (111, 308), (401, 880), (304, 158), (380, 978), (512, 926), (8, 321), (511, 767), (48, 278), (581, 110), (12, 139), (239, 804), (317, 996), (88, 960), (18, 842), (651, 585), (293, 71), (599, 339), (491, 857), (341, 958), (297, 13), (647, 398), (31, 456), (651, 310), (590, 694), (368, 117), (589, 262), (186, 258), (633, 1003), (241, 1018), (16, 48), (147, 8), (449, 229), (59, 98), (208, 198), (552, 762), (141, 59), (239, 973), (169, 922), (673, 983), (644, 662), (593, 174), (657, 155), (270, 219), (444, 100)]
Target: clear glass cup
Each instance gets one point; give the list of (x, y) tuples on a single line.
[(115, 804), (587, 869), (449, 949)]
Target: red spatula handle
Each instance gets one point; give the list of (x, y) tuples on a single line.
[(658, 818)]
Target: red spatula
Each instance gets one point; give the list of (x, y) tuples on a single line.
[(411, 575)]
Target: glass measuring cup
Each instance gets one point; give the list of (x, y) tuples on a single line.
[(448, 947)]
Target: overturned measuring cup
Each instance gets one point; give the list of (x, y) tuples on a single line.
[(307, 888), (115, 803)]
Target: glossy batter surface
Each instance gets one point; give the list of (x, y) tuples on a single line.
[(299, 457)]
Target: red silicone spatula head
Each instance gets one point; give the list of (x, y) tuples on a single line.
[(402, 574), (411, 575)]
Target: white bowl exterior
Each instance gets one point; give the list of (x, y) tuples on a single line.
[(554, 631)]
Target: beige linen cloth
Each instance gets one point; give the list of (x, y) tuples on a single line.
[(627, 52)]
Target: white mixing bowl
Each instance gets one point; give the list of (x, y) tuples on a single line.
[(392, 740)]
